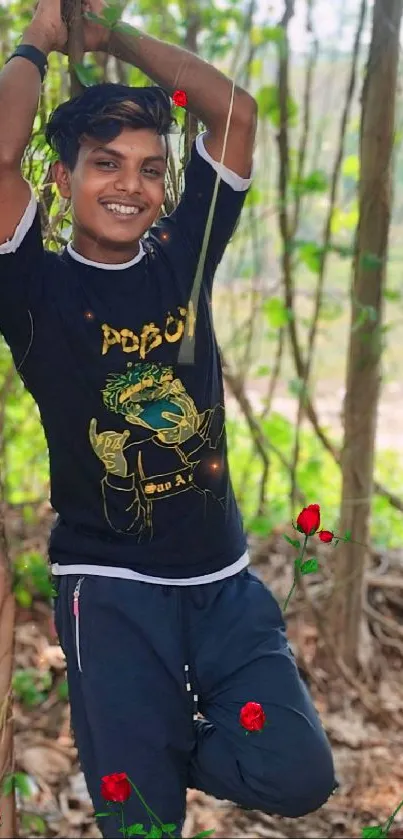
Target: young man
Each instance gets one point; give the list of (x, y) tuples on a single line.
[(157, 612)]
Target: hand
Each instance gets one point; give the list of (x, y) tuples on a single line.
[(48, 21), (96, 36), (108, 446), (48, 18)]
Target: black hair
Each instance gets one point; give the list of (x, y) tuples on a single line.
[(101, 112)]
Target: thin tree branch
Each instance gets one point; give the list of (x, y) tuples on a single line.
[(262, 444), (71, 10), (307, 113)]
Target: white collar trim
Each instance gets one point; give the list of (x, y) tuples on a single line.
[(115, 267)]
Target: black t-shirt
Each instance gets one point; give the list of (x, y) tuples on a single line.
[(137, 444)]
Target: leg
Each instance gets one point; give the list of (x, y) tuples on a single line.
[(129, 706), (241, 654)]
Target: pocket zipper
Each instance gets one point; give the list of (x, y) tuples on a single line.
[(76, 613)]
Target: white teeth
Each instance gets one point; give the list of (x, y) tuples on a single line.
[(120, 208)]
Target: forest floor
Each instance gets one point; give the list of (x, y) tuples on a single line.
[(367, 746)]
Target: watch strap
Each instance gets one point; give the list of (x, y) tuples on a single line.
[(32, 54)]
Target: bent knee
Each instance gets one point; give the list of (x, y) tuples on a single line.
[(307, 796), (307, 785), (299, 785)]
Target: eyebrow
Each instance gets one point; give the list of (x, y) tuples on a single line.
[(121, 156)]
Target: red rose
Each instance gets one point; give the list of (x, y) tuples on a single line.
[(325, 535), (252, 716), (115, 787), (308, 520), (180, 98)]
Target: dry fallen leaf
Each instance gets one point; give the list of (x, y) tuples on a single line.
[(45, 763), (53, 656)]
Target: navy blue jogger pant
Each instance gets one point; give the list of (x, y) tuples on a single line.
[(132, 710)]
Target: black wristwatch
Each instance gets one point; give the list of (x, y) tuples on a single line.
[(32, 54)]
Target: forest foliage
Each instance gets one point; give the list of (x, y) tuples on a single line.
[(283, 291)]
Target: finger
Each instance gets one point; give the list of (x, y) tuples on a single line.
[(171, 417), (93, 432)]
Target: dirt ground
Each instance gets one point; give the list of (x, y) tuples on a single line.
[(368, 747)]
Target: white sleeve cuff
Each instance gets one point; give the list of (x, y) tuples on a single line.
[(12, 245), (231, 178)]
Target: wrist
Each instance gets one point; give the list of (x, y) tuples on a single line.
[(122, 40), (111, 43), (37, 37), (104, 40)]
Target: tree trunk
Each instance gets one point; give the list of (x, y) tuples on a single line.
[(8, 822), (72, 15), (191, 44), (365, 343)]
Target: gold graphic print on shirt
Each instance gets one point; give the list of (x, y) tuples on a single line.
[(168, 424)]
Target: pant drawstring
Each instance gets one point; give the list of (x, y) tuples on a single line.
[(167, 591), (189, 689)]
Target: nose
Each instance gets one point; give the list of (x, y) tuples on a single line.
[(128, 182)]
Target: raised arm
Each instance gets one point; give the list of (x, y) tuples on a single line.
[(208, 91), (20, 86)]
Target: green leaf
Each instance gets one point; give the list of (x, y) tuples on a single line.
[(111, 13), (317, 181), (85, 74), (351, 167), (154, 833), (310, 566), (102, 815), (168, 828), (260, 526), (276, 312), (261, 35), (332, 309), (136, 830), (297, 387), (254, 197), (126, 28), (376, 832), (365, 313), (63, 690), (256, 68), (22, 596), (311, 256), (17, 781), (393, 295), (275, 34), (347, 536), (371, 260), (268, 105), (94, 18), (345, 251), (33, 824), (204, 833), (294, 542), (361, 319)]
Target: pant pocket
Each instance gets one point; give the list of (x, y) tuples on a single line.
[(76, 614)]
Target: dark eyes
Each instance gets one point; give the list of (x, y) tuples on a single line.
[(106, 163)]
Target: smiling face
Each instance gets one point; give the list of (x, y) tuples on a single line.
[(128, 172)]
